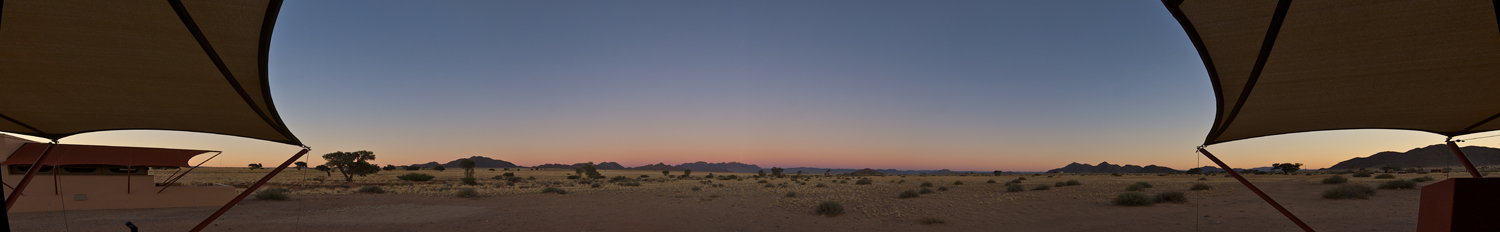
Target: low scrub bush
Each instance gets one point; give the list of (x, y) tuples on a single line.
[(864, 181), (1385, 176), (1144, 184), (829, 208), (696, 189), (1351, 191), (1059, 184), (820, 185), (958, 183), (770, 185), (932, 220), (1132, 199), (1201, 186), (631, 184), (1361, 174), (991, 181), (469, 181), (926, 184), (595, 185), (618, 178), (1021, 178), (791, 194), (1042, 187), (910, 194), (1335, 180), (645, 176), (1398, 184), (415, 177), (1173, 197), (925, 191), (554, 190), (278, 194), (1135, 188), (371, 189), (1422, 179), (1074, 182), (466, 193), (570, 177), (1015, 188), (944, 188)]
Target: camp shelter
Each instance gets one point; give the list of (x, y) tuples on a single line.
[(84, 177), (1287, 66), (73, 66)]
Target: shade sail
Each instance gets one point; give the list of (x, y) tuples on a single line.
[(103, 155), (1296, 66), (70, 67)]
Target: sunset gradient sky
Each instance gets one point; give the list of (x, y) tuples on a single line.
[(962, 85)]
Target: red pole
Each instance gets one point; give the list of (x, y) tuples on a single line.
[(249, 190), (1257, 191), (1464, 159), (10, 202)]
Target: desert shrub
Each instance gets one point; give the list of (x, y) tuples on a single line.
[(414, 177), (1059, 184), (645, 176), (932, 220), (570, 177), (1015, 181), (554, 190), (1042, 187), (1201, 186), (910, 194), (508, 174), (958, 183), (1074, 182), (1021, 178), (1361, 174), (1398, 184), (1335, 180), (1132, 199), (1385, 176), (1173, 197), (696, 189), (1135, 188), (791, 194), (761, 182), (631, 184), (830, 208), (513, 179), (926, 184), (1144, 184), (843, 182), (466, 193), (618, 178), (925, 191), (991, 181), (770, 185), (864, 181), (820, 185), (1422, 179), (371, 189), (595, 185), (1351, 191), (469, 181), (279, 194), (1015, 188), (944, 188)]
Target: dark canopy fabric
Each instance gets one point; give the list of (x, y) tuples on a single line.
[(1296, 66), (70, 67), (66, 154)]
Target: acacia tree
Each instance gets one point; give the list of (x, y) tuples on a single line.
[(254, 166), (1287, 168), (687, 172), (351, 164), (468, 166), (776, 172), (325, 169), (665, 173), (300, 165), (762, 172)]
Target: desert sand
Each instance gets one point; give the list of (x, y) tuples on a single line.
[(670, 204)]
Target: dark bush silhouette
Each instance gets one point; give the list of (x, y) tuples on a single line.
[(1132, 199), (415, 177), (910, 194), (277, 194), (1173, 197), (1350, 191), (1335, 180), (830, 208)]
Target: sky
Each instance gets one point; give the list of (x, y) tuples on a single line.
[(962, 85)]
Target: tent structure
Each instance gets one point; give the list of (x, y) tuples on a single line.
[(1286, 66), (103, 177), (74, 67)]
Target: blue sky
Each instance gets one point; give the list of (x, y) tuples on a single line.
[(964, 85)]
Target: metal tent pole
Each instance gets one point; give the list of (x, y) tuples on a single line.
[(1257, 191), (249, 190), (1463, 158), (30, 173)]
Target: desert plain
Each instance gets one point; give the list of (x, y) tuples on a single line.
[(321, 202)]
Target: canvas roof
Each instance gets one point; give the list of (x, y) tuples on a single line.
[(73, 67), (67, 154), (1296, 66)]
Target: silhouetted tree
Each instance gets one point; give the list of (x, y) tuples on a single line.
[(439, 168), (665, 173), (254, 166), (468, 166), (776, 172), (997, 172), (325, 169), (687, 172), (762, 172), (352, 164), (1287, 168), (389, 167), (1195, 171), (826, 172), (300, 165)]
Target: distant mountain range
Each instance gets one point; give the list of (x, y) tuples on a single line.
[(1106, 167), (479, 162), (1438, 155), (699, 167)]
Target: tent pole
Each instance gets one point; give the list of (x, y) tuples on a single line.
[(249, 190), (1464, 159), (30, 173), (1257, 191)]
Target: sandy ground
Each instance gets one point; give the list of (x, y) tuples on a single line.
[(749, 206)]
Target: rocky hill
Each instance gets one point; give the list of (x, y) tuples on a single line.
[(479, 162), (1106, 167), (1438, 155), (868, 172)]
